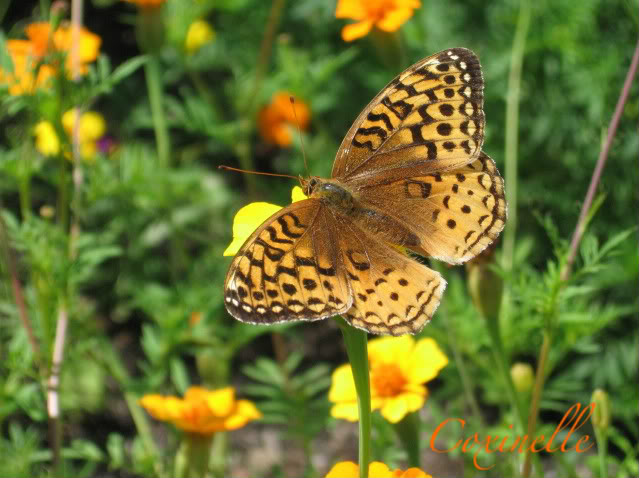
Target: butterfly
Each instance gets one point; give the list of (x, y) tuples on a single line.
[(409, 177)]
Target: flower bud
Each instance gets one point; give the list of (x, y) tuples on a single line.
[(523, 377), (484, 284), (601, 413)]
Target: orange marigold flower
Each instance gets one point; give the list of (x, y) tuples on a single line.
[(399, 367), (387, 15), (202, 411), (376, 469), (277, 119), (23, 78), (44, 42), (27, 54)]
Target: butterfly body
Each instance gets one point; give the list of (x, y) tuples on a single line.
[(410, 174)]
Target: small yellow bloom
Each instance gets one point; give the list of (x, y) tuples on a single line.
[(202, 411), (91, 128), (199, 34), (386, 15), (376, 469), (46, 141), (251, 216), (399, 367), (277, 119)]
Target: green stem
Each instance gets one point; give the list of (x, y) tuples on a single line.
[(154, 85), (504, 370), (357, 348), (512, 129), (63, 195), (408, 431), (536, 396), (602, 451), (219, 454), (198, 449)]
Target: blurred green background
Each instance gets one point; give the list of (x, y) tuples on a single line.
[(152, 232)]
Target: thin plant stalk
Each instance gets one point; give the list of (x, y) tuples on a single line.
[(356, 342), (574, 245), (53, 383), (512, 129), (153, 76)]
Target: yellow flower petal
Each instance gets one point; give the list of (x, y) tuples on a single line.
[(47, 141), (345, 411), (344, 469), (342, 385), (248, 410), (411, 473), (356, 30), (348, 469), (389, 349), (297, 194), (246, 221), (425, 361), (221, 402), (377, 469), (394, 409)]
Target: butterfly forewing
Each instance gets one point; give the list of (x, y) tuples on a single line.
[(289, 269), (453, 215), (431, 116)]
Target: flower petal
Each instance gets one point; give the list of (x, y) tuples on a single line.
[(394, 19), (342, 385), (297, 194), (221, 402), (425, 361), (390, 349), (395, 409), (246, 221), (344, 469), (356, 30), (355, 9), (377, 469)]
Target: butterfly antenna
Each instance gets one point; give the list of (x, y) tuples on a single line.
[(299, 132), (229, 168)]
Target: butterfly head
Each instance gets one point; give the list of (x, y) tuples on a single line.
[(309, 186)]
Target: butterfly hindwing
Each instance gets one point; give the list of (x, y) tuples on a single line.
[(429, 116), (392, 293), (289, 269)]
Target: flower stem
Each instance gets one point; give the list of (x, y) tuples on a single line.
[(357, 348), (536, 396), (154, 85), (504, 369), (198, 449), (512, 129), (602, 450), (408, 431)]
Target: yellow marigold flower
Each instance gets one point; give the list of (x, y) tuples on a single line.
[(91, 128), (199, 34), (147, 3), (251, 216), (276, 120), (202, 411), (376, 469), (46, 141), (399, 367), (386, 15)]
